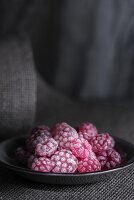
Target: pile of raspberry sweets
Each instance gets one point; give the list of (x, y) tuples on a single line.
[(64, 149)]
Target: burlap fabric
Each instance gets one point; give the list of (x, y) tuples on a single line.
[(17, 86)]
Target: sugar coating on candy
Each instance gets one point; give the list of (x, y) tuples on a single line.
[(64, 161), (57, 127), (64, 136), (89, 165), (109, 159), (111, 142), (46, 148), (41, 133), (87, 130), (101, 142), (36, 138), (64, 149), (81, 148), (41, 164), (39, 128)]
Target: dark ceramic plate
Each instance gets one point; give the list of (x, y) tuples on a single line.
[(7, 158)]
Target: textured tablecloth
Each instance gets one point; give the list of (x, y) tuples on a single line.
[(13, 187), (118, 118)]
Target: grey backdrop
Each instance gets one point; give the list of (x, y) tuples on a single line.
[(85, 48)]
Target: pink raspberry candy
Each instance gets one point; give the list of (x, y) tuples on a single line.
[(22, 155), (41, 164), (109, 159), (64, 161), (36, 138), (101, 142), (89, 165), (81, 148), (57, 127), (87, 130), (64, 136), (39, 128), (46, 148), (112, 142)]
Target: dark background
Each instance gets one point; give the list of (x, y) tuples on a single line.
[(83, 57), (84, 48)]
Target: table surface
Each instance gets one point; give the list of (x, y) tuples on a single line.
[(16, 188)]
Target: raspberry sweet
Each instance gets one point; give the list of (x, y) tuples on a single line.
[(22, 155), (109, 159), (64, 161), (112, 142), (89, 165), (64, 136), (101, 142), (81, 148), (41, 164), (36, 138), (59, 126), (39, 128), (87, 130), (64, 149), (46, 148)]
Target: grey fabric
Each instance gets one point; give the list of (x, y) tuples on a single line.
[(17, 86), (85, 48), (16, 16), (17, 73)]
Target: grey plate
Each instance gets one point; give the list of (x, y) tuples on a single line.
[(7, 158)]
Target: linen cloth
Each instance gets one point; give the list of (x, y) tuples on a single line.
[(17, 86)]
